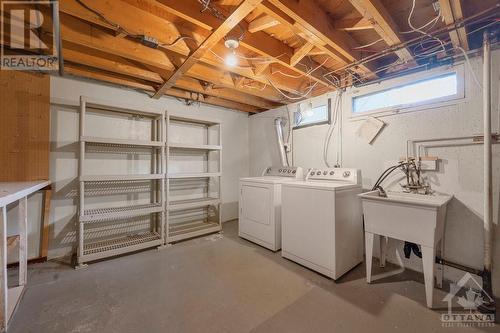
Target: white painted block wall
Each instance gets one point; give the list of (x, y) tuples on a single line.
[(460, 171)]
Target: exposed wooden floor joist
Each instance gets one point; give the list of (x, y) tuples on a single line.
[(289, 50)]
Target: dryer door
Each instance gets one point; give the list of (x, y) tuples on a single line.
[(256, 218)]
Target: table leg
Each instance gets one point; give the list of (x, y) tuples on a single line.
[(44, 239), (23, 241), (383, 249), (428, 258), (3, 269), (369, 254)]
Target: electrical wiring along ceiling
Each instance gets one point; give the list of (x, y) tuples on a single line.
[(253, 55)]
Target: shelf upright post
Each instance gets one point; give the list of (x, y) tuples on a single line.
[(220, 178), (166, 189), (154, 160), (81, 174), (162, 137)]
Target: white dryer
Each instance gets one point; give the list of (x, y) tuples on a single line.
[(322, 223), (260, 205)]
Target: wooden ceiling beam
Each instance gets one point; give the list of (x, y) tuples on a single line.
[(98, 60), (130, 19), (225, 79), (157, 23), (85, 56), (116, 79), (375, 12), (304, 18), (259, 68), (262, 23), (245, 7), (258, 42), (79, 32), (246, 69), (300, 53), (452, 11), (353, 24)]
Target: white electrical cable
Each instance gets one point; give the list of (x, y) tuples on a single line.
[(368, 45), (434, 50), (304, 95), (433, 22), (303, 74), (467, 60), (421, 31), (326, 142), (335, 120)]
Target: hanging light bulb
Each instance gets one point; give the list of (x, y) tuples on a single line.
[(232, 44), (231, 60)]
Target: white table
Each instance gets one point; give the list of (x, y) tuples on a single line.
[(11, 192)]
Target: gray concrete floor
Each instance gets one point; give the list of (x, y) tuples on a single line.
[(220, 284)]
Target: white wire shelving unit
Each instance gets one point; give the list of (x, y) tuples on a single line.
[(194, 197), (109, 231)]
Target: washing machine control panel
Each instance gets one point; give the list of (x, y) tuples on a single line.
[(294, 172), (335, 174)]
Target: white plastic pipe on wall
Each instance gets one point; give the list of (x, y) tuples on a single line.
[(278, 125), (488, 186)]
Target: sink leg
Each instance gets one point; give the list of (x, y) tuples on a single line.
[(369, 255), (383, 249), (428, 257), (440, 267)]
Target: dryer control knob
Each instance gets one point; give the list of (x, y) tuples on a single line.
[(347, 174), (332, 173), (325, 173)]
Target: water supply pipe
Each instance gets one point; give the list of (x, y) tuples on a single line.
[(278, 125), (488, 140), (489, 306), (57, 36)]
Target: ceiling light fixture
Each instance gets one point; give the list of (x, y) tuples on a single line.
[(232, 44)]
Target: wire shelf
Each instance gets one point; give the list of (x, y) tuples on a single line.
[(104, 214)]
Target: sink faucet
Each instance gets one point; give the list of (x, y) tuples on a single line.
[(381, 192)]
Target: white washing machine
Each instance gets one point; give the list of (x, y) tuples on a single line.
[(260, 205), (322, 223)]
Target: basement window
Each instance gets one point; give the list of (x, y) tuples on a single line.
[(426, 91), (307, 115)]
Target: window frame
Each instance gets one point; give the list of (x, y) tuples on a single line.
[(323, 122), (408, 80)]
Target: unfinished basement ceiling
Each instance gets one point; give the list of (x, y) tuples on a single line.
[(289, 49)]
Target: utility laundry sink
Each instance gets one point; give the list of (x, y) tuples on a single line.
[(408, 217)]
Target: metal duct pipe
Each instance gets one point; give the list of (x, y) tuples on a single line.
[(489, 306), (278, 125), (57, 35)]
